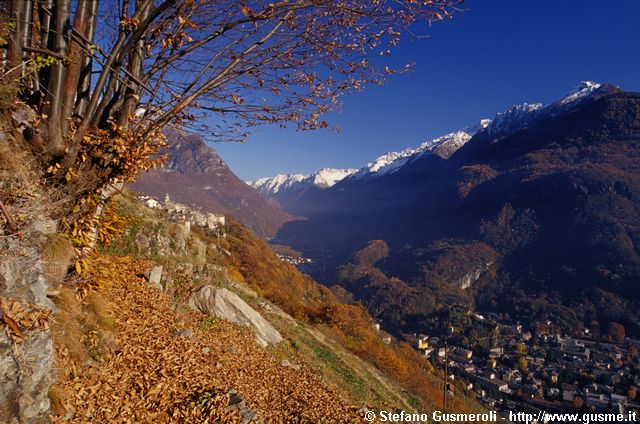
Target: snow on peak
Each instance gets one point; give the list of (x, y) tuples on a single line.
[(276, 183), (386, 163), (519, 117), (328, 177), (582, 89), (514, 119), (446, 145), (443, 146), (324, 178), (473, 129)]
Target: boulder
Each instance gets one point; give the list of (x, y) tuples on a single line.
[(221, 303), (155, 275), (235, 401)]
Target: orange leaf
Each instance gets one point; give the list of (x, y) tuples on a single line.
[(13, 326)]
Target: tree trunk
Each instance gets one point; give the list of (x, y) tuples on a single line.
[(28, 22), (55, 92), (75, 59), (84, 86), (44, 15), (14, 51), (135, 69)]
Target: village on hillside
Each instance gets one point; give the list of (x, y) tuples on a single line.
[(186, 215)]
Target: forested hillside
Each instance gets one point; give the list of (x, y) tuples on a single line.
[(540, 222)]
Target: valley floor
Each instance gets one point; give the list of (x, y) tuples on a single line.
[(169, 365)]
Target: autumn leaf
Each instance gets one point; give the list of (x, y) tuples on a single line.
[(13, 326)]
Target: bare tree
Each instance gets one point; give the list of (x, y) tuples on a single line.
[(107, 70)]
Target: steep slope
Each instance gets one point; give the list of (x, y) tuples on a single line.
[(27, 361), (291, 190), (172, 366), (538, 217), (333, 339), (195, 175)]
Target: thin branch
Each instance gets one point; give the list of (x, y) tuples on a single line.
[(11, 226)]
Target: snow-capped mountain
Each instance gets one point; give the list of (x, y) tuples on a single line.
[(519, 117), (505, 123), (280, 183), (516, 118), (443, 146), (272, 185), (328, 177), (581, 90), (528, 206), (390, 162)]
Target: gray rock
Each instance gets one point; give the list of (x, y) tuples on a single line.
[(187, 334), (235, 401), (22, 278), (248, 416), (221, 303), (26, 372), (45, 225), (287, 363), (266, 306), (155, 275), (23, 117), (26, 368)]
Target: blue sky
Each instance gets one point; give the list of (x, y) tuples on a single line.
[(495, 54)]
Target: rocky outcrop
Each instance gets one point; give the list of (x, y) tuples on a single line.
[(221, 303), (26, 363), (470, 278)]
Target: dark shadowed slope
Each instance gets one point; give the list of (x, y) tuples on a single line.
[(543, 221)]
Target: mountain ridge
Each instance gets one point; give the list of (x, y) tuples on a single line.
[(195, 175), (283, 185), (517, 117), (545, 215)]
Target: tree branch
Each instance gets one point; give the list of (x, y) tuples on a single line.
[(11, 226)]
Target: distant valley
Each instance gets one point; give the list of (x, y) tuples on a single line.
[(534, 213)]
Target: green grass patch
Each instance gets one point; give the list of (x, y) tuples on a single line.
[(209, 323)]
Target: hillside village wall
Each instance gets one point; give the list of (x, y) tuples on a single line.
[(189, 216)]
